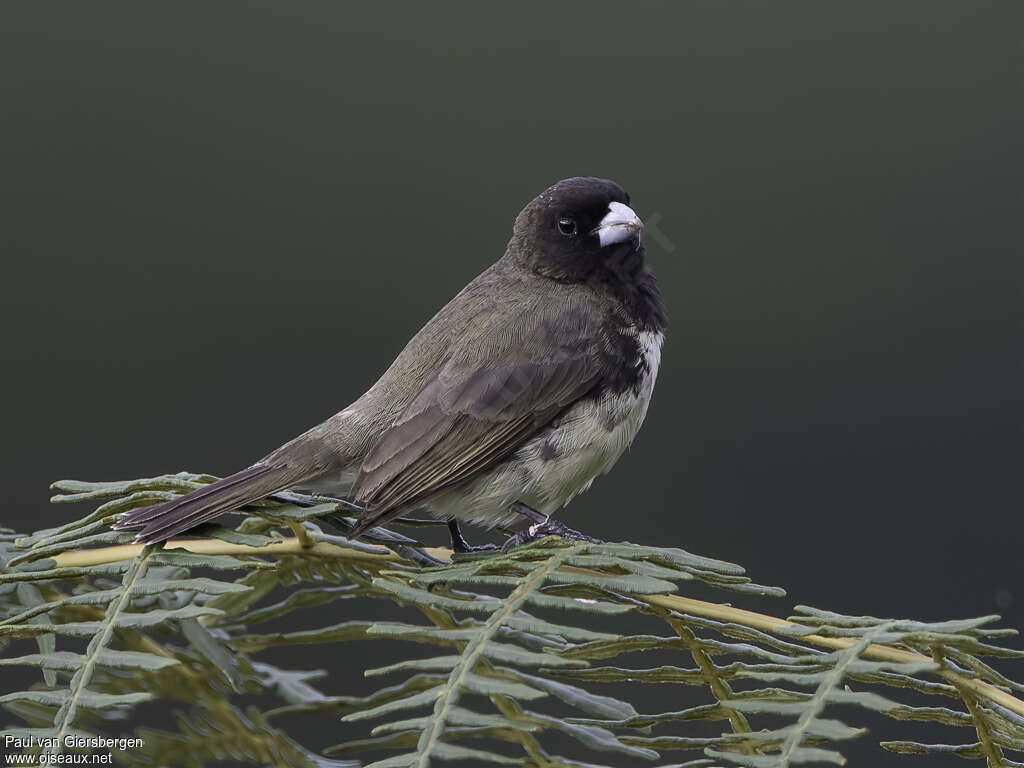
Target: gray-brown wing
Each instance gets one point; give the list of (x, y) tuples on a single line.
[(479, 408)]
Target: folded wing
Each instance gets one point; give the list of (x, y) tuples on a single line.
[(481, 406)]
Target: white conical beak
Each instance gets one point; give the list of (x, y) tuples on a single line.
[(619, 224)]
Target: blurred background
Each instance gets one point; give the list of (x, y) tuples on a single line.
[(221, 223)]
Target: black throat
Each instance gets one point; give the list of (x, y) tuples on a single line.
[(625, 275)]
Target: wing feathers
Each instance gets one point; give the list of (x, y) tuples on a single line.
[(471, 416)]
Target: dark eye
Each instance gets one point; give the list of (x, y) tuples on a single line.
[(567, 226)]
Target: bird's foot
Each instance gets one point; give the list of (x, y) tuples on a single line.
[(547, 528), (459, 544)]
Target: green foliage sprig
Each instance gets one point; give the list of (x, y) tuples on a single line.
[(518, 643)]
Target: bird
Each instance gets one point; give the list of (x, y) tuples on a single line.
[(508, 403)]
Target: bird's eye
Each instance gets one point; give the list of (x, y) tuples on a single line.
[(567, 226)]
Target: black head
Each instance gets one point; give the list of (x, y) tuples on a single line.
[(582, 230)]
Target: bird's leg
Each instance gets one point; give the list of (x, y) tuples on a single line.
[(542, 526), (529, 512), (459, 543)]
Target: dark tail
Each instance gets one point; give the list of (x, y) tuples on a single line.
[(162, 521)]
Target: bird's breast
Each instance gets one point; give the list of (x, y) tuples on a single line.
[(589, 438), (622, 413)]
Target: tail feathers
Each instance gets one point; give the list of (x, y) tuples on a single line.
[(367, 521), (163, 521)]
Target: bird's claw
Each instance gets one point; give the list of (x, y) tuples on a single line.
[(547, 528)]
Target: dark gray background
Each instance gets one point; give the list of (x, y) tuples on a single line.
[(221, 222)]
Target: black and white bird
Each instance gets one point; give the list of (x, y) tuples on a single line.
[(508, 403)]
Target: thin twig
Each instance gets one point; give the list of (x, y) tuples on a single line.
[(302, 534), (993, 754), (288, 546), (719, 687), (64, 720)]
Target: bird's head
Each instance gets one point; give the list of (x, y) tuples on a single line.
[(580, 230)]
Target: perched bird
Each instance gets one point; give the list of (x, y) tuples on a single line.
[(526, 386)]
